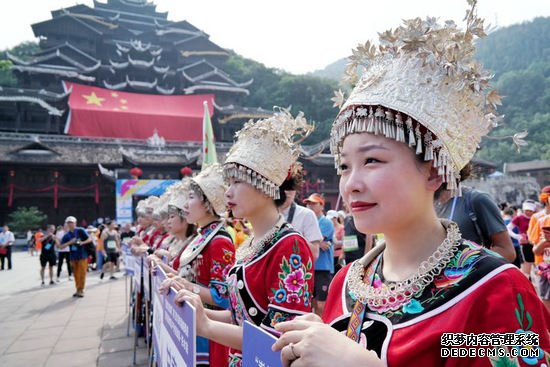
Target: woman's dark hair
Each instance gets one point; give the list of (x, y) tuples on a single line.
[(509, 211), (293, 182), (191, 229), (198, 191), (280, 201), (466, 172)]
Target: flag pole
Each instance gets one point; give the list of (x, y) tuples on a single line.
[(209, 155)]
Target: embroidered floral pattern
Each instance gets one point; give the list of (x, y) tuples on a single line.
[(234, 360), (536, 357), (525, 322), (293, 286), (275, 316), (294, 281), (413, 307), (459, 267)]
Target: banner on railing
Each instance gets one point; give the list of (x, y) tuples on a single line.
[(174, 326), (175, 334), (128, 260)]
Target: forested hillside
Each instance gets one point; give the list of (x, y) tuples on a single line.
[(519, 55)]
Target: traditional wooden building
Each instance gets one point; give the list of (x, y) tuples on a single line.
[(120, 46), (538, 169)]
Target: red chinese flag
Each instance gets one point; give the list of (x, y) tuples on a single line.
[(99, 112)]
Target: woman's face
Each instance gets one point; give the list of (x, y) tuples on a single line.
[(176, 224), (243, 199), (194, 208), (383, 184), (164, 222), (147, 220)]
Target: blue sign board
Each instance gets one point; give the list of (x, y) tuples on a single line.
[(257, 347)]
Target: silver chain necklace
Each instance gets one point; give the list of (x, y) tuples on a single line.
[(250, 247), (392, 296)]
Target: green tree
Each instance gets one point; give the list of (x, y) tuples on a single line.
[(24, 51), (7, 78), (23, 219), (273, 87)]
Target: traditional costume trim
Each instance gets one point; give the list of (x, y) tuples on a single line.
[(457, 299), (197, 245)]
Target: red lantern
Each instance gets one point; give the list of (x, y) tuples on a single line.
[(186, 171), (136, 172)]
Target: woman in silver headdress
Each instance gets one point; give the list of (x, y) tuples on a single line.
[(272, 279), (411, 123)]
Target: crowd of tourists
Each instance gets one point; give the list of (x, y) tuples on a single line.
[(82, 250)]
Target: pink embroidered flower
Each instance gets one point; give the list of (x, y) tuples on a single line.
[(293, 298), (295, 281), (377, 283), (217, 268)]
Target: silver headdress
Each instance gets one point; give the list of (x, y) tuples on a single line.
[(421, 86), (265, 150)]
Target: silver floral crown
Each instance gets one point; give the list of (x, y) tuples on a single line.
[(421, 86), (265, 151)]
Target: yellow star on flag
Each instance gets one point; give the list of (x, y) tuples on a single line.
[(93, 99)]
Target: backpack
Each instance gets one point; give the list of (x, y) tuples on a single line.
[(485, 239)]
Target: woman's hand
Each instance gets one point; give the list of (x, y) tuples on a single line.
[(161, 252), (164, 287), (172, 281), (152, 259), (203, 322), (306, 341)]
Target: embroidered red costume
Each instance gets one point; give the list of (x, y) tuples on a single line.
[(209, 268), (477, 293), (274, 285)]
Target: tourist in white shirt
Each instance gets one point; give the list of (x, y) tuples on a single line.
[(301, 218), (7, 239)]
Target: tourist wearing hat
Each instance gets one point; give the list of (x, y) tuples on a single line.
[(324, 265), (205, 262), (272, 279), (413, 120), (76, 239), (520, 223)]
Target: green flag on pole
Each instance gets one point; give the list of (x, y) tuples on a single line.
[(209, 155)]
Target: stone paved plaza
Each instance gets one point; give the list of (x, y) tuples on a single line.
[(46, 326)]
